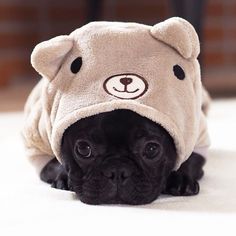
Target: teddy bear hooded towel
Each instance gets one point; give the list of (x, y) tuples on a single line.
[(103, 66)]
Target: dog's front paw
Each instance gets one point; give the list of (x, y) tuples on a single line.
[(61, 182), (179, 184)]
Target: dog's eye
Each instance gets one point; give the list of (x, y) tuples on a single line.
[(76, 65), (152, 150), (82, 149), (179, 72)]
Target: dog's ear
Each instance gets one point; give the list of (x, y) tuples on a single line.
[(48, 56), (179, 34)]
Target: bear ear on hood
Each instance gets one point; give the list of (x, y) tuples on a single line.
[(179, 34), (48, 56)]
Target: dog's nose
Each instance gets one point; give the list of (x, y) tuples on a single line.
[(117, 174), (126, 80)]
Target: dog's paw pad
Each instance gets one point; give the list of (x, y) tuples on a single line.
[(181, 185)]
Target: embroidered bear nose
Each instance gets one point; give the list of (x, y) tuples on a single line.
[(126, 80)]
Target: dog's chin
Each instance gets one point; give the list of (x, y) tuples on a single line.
[(139, 194), (117, 200)]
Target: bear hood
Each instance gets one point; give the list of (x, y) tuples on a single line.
[(103, 66)]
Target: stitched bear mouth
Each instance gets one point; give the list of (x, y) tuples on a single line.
[(125, 90)]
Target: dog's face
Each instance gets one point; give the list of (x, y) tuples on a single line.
[(117, 157)]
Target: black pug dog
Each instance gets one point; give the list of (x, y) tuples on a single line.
[(121, 157)]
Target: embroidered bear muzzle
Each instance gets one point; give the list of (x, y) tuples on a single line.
[(126, 86)]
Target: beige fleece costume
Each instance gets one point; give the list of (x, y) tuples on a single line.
[(124, 65)]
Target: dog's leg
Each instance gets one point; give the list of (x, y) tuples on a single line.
[(55, 174), (184, 181)]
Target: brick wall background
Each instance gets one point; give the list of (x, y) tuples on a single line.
[(24, 23)]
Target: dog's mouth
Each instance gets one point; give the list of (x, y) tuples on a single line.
[(118, 199), (127, 194)]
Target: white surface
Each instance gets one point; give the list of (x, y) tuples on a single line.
[(30, 207)]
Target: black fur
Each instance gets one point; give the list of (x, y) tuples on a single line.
[(126, 159)]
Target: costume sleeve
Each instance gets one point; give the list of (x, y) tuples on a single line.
[(34, 132), (203, 141)]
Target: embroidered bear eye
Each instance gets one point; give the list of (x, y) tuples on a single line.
[(179, 72), (76, 65)]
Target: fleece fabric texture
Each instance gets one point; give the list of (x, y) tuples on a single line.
[(103, 66)]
